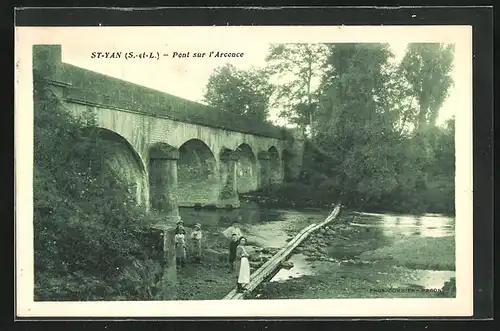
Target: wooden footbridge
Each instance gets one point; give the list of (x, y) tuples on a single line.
[(269, 269)]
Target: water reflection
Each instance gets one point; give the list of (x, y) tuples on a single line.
[(428, 279), (271, 227), (429, 225)]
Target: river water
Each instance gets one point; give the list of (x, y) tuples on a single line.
[(270, 227)]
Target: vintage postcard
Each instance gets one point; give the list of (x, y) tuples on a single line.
[(285, 171)]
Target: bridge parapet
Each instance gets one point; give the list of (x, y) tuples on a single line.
[(89, 87)]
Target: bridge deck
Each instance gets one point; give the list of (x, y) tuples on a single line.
[(101, 89)]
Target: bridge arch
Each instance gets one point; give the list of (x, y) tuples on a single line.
[(116, 158), (246, 169), (274, 165), (198, 175)]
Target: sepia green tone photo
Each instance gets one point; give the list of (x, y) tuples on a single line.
[(142, 195)]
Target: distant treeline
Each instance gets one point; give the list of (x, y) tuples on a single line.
[(372, 123), (412, 184)]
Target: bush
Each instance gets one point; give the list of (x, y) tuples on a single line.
[(89, 232), (411, 176)]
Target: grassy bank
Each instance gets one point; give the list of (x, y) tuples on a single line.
[(341, 283), (352, 262), (317, 193), (418, 253), (209, 281)]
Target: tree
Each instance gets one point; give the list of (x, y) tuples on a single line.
[(242, 92), (298, 69), (367, 148), (354, 126), (427, 68)]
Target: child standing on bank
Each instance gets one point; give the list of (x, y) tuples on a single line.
[(196, 236)]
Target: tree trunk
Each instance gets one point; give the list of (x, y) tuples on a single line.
[(421, 117), (309, 97), (311, 122)]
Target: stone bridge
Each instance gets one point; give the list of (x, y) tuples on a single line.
[(174, 152)]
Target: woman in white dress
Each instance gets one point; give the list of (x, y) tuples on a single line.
[(243, 265)]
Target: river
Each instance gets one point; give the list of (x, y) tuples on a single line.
[(271, 227)]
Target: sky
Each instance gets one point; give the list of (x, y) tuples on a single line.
[(187, 77)]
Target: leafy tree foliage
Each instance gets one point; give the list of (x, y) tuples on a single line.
[(352, 117), (427, 67), (369, 149), (298, 69), (242, 92), (91, 238)]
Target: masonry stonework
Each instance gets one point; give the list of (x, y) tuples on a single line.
[(144, 118)]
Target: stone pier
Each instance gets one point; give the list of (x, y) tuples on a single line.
[(163, 183), (264, 160), (229, 187)]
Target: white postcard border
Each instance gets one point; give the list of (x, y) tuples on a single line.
[(25, 37)]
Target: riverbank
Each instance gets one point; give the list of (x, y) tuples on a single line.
[(213, 278), (341, 283), (299, 195), (341, 260)]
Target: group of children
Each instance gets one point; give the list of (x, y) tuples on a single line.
[(181, 245), (238, 255)]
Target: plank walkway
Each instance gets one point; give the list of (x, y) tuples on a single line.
[(274, 264)]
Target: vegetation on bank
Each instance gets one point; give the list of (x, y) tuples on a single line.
[(91, 240), (418, 253), (373, 137)]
